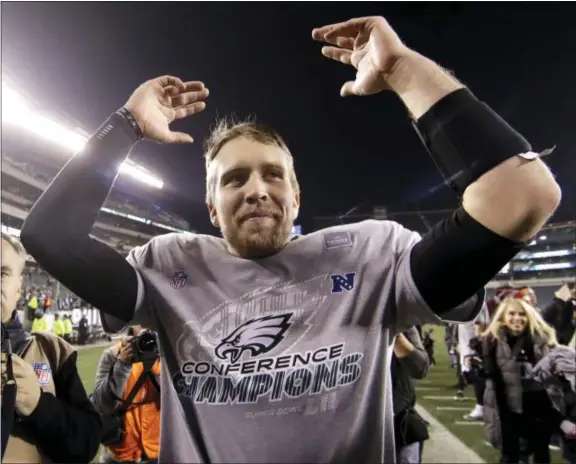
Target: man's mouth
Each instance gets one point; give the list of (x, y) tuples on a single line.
[(257, 215)]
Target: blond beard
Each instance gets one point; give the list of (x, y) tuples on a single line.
[(258, 245)]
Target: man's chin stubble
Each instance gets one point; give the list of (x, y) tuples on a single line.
[(257, 246)]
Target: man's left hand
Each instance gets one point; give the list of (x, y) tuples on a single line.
[(27, 388), (370, 45)]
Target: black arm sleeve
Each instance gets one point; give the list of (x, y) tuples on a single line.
[(66, 428), (456, 259), (56, 231)]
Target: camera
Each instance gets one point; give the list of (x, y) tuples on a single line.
[(144, 346)]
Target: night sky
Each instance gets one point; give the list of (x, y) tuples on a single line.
[(80, 61)]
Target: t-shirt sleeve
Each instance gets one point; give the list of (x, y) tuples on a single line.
[(410, 307), (142, 310)]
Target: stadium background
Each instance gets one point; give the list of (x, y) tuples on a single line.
[(42, 43)]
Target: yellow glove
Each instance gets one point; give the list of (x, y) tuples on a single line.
[(27, 388)]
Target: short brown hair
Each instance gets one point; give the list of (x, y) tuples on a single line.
[(228, 129)]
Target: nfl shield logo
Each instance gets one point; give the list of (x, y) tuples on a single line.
[(43, 372), (179, 279)]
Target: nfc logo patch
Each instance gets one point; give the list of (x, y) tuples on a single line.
[(343, 282), (43, 372)]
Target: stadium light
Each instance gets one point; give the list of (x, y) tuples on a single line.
[(16, 111)]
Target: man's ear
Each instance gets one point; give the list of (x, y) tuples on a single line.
[(296, 205), (213, 216)]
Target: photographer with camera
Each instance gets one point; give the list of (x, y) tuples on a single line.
[(127, 395), (46, 413)]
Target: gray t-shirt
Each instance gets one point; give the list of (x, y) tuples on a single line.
[(283, 359)]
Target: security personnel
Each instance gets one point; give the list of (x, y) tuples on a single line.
[(58, 328), (39, 324), (46, 414), (33, 301), (67, 323), (118, 375)]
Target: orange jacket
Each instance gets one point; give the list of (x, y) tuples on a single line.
[(141, 423)]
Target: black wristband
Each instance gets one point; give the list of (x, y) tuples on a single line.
[(466, 138), (128, 116)]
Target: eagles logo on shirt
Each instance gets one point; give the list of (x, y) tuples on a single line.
[(256, 336), (43, 372)]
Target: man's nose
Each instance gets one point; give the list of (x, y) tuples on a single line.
[(256, 190)]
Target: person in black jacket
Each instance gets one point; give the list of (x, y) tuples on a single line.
[(561, 314), (47, 416), (409, 362)]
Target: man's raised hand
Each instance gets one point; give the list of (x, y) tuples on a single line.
[(160, 101), (370, 45)]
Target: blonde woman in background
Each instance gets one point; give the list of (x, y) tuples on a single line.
[(518, 413)]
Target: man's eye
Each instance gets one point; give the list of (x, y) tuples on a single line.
[(232, 180)]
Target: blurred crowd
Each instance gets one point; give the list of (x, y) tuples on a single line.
[(47, 306)]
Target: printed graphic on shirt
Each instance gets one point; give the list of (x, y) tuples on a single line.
[(257, 336), (259, 348), (178, 280), (343, 282), (43, 372)]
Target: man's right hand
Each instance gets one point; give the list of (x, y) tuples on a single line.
[(125, 354), (158, 102)]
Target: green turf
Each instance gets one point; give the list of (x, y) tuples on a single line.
[(88, 364), (440, 376)]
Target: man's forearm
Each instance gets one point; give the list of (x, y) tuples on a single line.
[(56, 231), (83, 184), (512, 197), (420, 83)]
